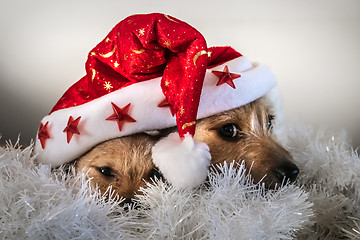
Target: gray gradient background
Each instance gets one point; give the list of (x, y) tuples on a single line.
[(312, 47)]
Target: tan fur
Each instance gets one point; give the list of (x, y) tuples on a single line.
[(130, 157), (255, 146)]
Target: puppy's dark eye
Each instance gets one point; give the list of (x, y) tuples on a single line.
[(106, 171), (270, 121), (229, 131), (155, 173)]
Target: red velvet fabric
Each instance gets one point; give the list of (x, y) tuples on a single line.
[(143, 47)]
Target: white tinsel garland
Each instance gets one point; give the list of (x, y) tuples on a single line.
[(38, 203)]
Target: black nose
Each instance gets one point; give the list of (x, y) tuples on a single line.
[(129, 203), (287, 172)]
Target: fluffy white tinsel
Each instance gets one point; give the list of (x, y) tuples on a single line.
[(37, 203)]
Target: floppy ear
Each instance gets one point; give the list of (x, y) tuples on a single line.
[(273, 101)]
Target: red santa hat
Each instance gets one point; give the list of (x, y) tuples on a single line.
[(151, 72)]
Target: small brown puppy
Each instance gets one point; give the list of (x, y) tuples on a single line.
[(123, 163), (241, 134)]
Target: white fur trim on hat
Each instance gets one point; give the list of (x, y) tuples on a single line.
[(255, 81), (184, 163)]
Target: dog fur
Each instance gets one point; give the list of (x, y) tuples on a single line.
[(240, 134), (124, 163)]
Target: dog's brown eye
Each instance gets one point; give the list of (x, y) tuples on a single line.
[(270, 121), (155, 173), (229, 131), (106, 171)]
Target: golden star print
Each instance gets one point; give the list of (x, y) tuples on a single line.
[(108, 86), (142, 32), (167, 44)]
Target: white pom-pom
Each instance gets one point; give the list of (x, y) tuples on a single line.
[(184, 163)]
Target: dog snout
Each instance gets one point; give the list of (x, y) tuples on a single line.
[(287, 171)]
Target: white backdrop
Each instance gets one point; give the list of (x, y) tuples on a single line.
[(311, 46)]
